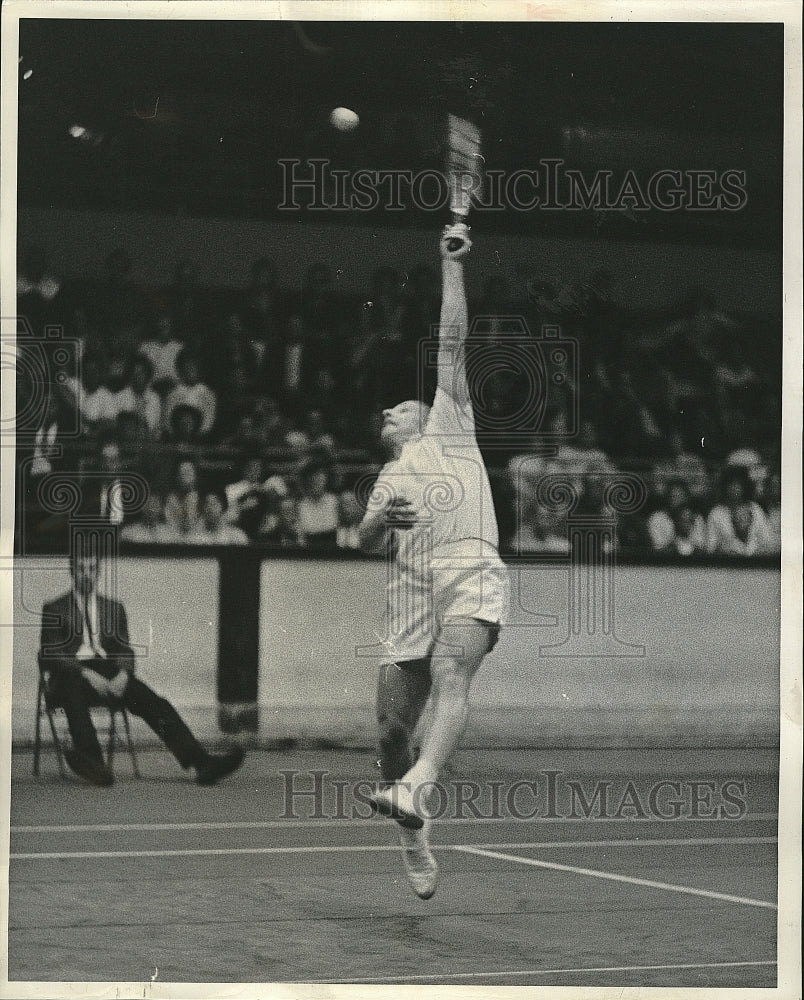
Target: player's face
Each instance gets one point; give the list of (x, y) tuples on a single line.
[(401, 423)]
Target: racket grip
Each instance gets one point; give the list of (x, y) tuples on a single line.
[(455, 243)]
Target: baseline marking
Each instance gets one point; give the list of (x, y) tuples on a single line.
[(304, 824), (549, 972), (610, 876), (358, 848)]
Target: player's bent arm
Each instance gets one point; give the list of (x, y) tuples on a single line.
[(396, 512), (371, 532)]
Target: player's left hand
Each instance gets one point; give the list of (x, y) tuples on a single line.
[(458, 231), (400, 513)]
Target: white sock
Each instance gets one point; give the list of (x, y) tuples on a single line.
[(423, 772), (420, 780), (415, 839)]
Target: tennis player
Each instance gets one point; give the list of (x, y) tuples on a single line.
[(448, 588)]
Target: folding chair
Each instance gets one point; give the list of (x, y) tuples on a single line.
[(47, 704)]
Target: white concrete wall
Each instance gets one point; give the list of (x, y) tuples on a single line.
[(708, 676), (709, 673)]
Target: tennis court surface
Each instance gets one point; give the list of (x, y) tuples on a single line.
[(253, 881)]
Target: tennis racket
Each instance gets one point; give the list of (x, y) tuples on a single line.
[(464, 170)]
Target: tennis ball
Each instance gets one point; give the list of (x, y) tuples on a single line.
[(343, 119)]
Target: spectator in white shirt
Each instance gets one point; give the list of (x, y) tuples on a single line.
[(738, 526), (662, 528), (94, 402), (103, 495), (578, 455), (249, 483), (45, 439), (191, 391), (162, 351), (183, 432), (689, 532), (350, 515), (248, 500), (149, 528), (685, 465), (138, 396), (213, 529), (318, 509), (540, 530), (282, 529), (312, 435), (182, 504), (755, 464), (34, 278), (38, 298)]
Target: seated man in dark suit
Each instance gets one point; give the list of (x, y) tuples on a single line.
[(85, 647)]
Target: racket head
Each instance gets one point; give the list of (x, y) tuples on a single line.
[(464, 165)]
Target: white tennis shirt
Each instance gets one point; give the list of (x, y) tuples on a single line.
[(443, 475)]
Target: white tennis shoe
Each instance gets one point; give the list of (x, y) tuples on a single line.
[(398, 802), (420, 863)]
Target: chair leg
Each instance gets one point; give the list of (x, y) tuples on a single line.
[(112, 735), (131, 748), (56, 740), (38, 730)]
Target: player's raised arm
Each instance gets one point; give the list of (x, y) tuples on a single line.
[(453, 324)]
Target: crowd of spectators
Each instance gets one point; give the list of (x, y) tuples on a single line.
[(252, 413)]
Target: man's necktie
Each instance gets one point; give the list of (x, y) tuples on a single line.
[(91, 634)]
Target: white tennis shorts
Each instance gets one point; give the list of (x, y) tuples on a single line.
[(454, 583)]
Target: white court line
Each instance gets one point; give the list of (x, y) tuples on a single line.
[(421, 977), (357, 848), (198, 852), (310, 824), (667, 886), (637, 842)]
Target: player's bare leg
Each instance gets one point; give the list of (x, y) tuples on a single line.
[(402, 693), (451, 680), (451, 677)]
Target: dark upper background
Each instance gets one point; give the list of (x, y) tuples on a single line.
[(192, 116)]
